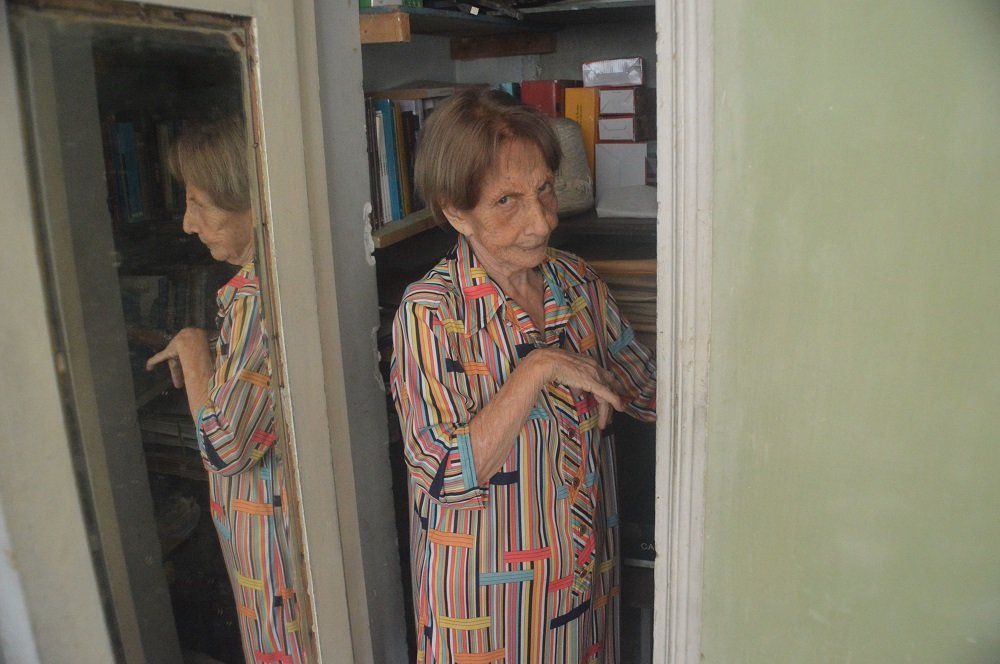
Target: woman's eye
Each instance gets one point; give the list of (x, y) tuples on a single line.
[(545, 188), (503, 200)]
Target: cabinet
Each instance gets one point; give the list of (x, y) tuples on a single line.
[(621, 249)]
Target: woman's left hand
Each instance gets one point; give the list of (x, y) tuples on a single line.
[(581, 373)]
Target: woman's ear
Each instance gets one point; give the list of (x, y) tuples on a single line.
[(456, 218)]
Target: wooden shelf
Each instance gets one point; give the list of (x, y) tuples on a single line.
[(591, 11), (570, 229), (401, 229), (396, 24), (588, 223)]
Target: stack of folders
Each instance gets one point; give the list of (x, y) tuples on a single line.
[(633, 284), (617, 114)]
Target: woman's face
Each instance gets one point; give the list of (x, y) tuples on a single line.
[(509, 227), (228, 235)]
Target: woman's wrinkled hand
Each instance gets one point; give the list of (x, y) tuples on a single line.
[(188, 345), (581, 373)]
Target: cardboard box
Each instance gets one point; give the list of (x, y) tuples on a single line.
[(620, 165), (629, 128), (627, 101), (549, 96), (581, 108), (616, 72)]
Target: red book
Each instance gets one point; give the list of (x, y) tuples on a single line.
[(549, 96)]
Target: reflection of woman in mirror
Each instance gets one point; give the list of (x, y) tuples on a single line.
[(229, 395), (509, 358)]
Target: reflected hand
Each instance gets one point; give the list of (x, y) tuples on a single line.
[(188, 345)]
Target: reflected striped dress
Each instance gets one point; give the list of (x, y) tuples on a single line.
[(521, 567), (236, 434)]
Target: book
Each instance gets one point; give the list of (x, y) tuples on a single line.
[(388, 109), (411, 130), (547, 95), (403, 161), (126, 160), (581, 107), (513, 88), (374, 177), (385, 210)]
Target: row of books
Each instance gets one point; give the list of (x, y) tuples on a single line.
[(394, 118), (610, 103), (140, 188), (171, 302)]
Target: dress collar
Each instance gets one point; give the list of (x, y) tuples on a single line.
[(484, 298), (243, 281)]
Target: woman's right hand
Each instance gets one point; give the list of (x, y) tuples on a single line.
[(188, 350), (581, 373)]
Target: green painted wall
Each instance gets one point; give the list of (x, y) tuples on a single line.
[(853, 482)]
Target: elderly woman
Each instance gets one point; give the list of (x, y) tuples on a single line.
[(228, 393), (509, 358)]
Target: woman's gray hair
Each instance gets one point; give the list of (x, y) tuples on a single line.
[(460, 142), (213, 157)]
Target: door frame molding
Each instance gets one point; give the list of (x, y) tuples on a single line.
[(684, 281)]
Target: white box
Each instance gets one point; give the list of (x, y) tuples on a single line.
[(619, 165), (625, 101), (617, 71), (625, 128)]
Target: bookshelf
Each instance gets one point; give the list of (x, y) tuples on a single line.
[(402, 229), (456, 49)]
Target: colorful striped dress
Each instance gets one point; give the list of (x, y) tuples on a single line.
[(236, 434), (521, 567)]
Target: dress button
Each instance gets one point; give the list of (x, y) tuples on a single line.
[(574, 482)]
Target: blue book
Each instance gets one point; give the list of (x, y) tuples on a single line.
[(392, 157), (130, 192)]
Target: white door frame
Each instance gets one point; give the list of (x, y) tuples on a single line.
[(685, 116)]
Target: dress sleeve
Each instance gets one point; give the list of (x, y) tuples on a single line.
[(236, 426), (433, 408), (630, 361)]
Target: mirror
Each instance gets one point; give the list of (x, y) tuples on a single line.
[(107, 89)]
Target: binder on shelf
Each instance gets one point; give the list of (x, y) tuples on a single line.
[(374, 178), (385, 208), (581, 107), (547, 95), (388, 110), (126, 160)]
